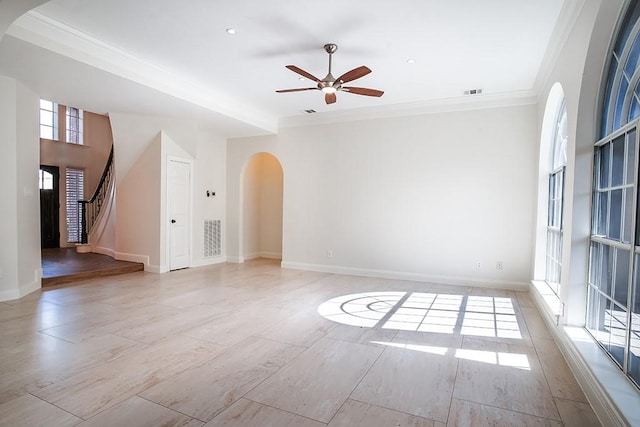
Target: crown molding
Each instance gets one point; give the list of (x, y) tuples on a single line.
[(40, 30), (448, 105), (566, 20)]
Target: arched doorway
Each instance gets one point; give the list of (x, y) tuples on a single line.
[(261, 208)]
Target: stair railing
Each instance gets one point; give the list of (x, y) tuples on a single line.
[(90, 209)]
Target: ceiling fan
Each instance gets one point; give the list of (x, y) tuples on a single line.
[(330, 85)]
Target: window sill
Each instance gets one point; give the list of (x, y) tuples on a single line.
[(613, 397), (553, 304)]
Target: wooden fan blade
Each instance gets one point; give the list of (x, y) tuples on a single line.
[(363, 91), (297, 90), (303, 73), (356, 73), (330, 98)]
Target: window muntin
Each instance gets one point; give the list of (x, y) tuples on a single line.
[(74, 125), (75, 192), (615, 250), (48, 120), (558, 161), (50, 127), (621, 102)]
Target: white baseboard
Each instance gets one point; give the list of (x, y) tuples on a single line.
[(20, 291), (255, 255), (415, 277), (613, 398), (270, 255), (104, 251), (235, 259), (208, 261), (143, 259)]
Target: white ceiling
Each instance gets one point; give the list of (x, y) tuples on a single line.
[(175, 58)]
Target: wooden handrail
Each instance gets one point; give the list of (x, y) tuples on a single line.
[(90, 209)]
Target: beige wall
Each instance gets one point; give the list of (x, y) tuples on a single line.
[(262, 207), (91, 157)]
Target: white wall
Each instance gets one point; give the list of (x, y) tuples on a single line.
[(20, 270), (422, 197), (210, 173), (578, 68), (141, 147)]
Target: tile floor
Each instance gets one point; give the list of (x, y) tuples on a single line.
[(246, 345)]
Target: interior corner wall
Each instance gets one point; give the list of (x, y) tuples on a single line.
[(426, 197), (20, 265)]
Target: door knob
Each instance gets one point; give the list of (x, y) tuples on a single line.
[(173, 221)]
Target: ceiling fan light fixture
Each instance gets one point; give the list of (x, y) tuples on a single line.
[(330, 85)]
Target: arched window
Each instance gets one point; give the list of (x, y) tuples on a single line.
[(622, 90), (558, 162), (613, 306)]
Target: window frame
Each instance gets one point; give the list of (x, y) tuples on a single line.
[(555, 200), (54, 118), (74, 228), (74, 136), (602, 241)]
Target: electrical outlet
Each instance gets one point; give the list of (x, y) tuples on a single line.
[(499, 265), (329, 253), (478, 265)]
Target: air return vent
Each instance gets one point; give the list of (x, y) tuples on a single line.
[(212, 238), (473, 92)]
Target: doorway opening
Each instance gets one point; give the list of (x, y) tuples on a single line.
[(261, 207)]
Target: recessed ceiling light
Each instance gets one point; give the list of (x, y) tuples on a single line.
[(231, 31), (410, 61), (301, 79)]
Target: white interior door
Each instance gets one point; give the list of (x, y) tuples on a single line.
[(179, 199)]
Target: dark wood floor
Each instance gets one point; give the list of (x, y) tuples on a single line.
[(65, 265)]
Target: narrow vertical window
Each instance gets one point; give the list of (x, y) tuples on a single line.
[(48, 120), (45, 180), (75, 192), (74, 125), (558, 164)]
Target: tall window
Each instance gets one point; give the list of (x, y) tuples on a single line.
[(48, 120), (558, 163), (74, 125), (613, 306), (75, 192), (71, 128)]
